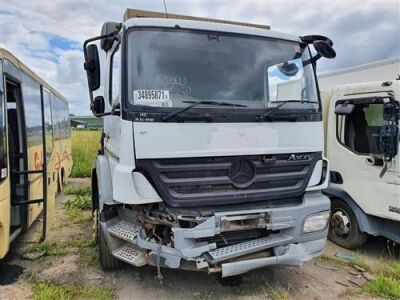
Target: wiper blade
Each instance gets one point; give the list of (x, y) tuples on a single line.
[(282, 103), (195, 103)]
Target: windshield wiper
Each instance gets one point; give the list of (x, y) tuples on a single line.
[(195, 103), (272, 110)]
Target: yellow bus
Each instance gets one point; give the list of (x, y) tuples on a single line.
[(35, 148)]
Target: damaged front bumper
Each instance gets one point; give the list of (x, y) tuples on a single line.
[(283, 241)]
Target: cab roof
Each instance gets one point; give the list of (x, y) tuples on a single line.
[(136, 13)]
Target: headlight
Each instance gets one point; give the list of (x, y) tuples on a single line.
[(316, 222)]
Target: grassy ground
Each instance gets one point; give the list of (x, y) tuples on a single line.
[(85, 144)]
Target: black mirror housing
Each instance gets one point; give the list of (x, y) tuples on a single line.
[(92, 67), (344, 109), (389, 141), (322, 44), (107, 29), (98, 106), (324, 49), (289, 69)]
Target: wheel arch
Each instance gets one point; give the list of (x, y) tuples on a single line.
[(366, 223), (101, 182)]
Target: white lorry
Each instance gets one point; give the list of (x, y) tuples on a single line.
[(362, 142), (203, 165)]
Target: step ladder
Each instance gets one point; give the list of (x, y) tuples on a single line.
[(233, 251), (128, 252)]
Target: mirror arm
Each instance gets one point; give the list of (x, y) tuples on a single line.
[(115, 111), (89, 65)]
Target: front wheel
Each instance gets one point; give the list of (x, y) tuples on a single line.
[(344, 229)]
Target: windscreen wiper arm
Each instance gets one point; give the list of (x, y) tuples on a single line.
[(272, 110), (195, 103)]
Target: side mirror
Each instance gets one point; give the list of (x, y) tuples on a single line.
[(388, 141), (324, 48), (391, 111), (107, 29), (288, 68), (98, 106), (344, 109), (92, 67)]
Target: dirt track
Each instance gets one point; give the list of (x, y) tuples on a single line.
[(318, 279)]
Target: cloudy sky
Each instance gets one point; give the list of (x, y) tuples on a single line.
[(47, 35)]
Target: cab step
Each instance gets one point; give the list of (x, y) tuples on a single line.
[(131, 255), (124, 230), (244, 248)]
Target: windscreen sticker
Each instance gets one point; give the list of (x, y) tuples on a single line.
[(152, 97)]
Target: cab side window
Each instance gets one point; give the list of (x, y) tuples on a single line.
[(359, 131), (115, 73)]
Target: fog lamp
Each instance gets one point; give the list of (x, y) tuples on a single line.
[(316, 222)]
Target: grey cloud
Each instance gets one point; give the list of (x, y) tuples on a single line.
[(363, 31)]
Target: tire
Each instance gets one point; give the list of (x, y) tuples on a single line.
[(344, 230), (107, 261)]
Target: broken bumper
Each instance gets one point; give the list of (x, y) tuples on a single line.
[(285, 244)]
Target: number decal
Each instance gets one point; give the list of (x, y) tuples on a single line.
[(152, 98)]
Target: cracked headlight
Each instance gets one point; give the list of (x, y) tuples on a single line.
[(316, 222)]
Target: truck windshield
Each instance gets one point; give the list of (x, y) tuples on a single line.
[(169, 68)]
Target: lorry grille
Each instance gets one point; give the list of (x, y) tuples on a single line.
[(209, 181), (234, 237)]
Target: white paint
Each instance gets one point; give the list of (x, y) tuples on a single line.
[(361, 180), (169, 140), (131, 187)]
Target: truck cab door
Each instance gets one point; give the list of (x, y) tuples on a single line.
[(354, 151)]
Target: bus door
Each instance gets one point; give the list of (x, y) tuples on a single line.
[(4, 176), (26, 143)]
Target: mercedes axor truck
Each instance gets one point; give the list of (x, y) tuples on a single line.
[(362, 143), (212, 150)]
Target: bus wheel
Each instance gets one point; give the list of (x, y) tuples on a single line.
[(107, 261), (344, 229)]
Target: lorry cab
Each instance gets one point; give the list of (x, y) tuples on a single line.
[(362, 142), (212, 147)]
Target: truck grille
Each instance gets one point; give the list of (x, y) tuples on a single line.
[(205, 181), (234, 237)]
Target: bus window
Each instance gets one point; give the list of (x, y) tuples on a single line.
[(33, 109), (48, 124), (54, 112)]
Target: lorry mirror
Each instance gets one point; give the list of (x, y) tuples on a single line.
[(108, 29), (92, 67), (391, 111), (388, 141), (288, 68), (344, 109), (324, 48), (98, 106)]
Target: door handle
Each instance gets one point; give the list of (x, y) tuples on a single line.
[(374, 161)]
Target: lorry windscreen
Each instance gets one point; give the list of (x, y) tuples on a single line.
[(169, 68)]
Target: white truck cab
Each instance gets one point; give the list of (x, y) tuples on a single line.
[(212, 148), (362, 143)]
